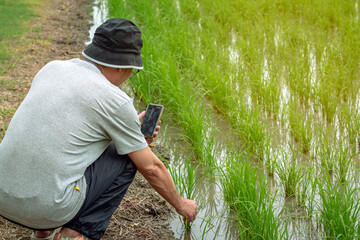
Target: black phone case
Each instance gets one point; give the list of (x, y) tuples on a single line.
[(152, 115)]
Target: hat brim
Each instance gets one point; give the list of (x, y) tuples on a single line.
[(110, 59)]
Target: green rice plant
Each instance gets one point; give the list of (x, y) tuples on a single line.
[(328, 101), (349, 120), (290, 173), (336, 158), (327, 154), (301, 74), (250, 128), (309, 193), (300, 126), (306, 192), (245, 191), (186, 180), (270, 159), (343, 160), (338, 209)]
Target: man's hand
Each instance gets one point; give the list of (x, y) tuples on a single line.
[(155, 172), (188, 210), (149, 140)]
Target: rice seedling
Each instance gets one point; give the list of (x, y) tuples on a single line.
[(300, 126), (326, 152), (306, 191), (349, 119), (338, 209), (290, 173), (186, 180), (250, 128), (343, 162), (329, 106), (245, 190), (270, 159)]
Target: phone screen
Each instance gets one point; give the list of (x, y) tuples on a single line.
[(151, 119)]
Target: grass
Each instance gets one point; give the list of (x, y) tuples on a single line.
[(14, 17), (6, 113)]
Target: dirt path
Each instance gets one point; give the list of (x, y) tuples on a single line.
[(61, 32)]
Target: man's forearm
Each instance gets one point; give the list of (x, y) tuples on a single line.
[(157, 175), (160, 179)]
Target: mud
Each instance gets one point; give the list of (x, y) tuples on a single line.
[(59, 32)]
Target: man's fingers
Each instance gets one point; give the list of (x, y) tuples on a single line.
[(149, 140), (189, 219), (142, 115)]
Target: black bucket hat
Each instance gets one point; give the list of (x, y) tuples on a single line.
[(116, 43)]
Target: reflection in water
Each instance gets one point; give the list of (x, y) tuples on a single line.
[(178, 6), (100, 14), (313, 71), (233, 52)]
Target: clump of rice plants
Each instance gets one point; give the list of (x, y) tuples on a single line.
[(185, 179), (349, 119), (307, 191), (300, 126), (270, 159), (326, 152), (290, 173), (245, 191), (343, 162), (339, 209)]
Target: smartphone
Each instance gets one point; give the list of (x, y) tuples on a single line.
[(152, 115)]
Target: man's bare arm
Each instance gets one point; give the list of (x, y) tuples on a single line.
[(154, 171)]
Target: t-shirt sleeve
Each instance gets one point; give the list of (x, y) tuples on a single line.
[(124, 130)]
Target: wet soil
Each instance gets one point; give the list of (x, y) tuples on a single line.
[(59, 32)]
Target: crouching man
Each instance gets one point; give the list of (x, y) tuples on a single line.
[(74, 145)]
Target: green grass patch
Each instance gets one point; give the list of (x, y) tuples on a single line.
[(14, 19)]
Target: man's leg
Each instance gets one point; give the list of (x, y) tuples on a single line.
[(107, 179)]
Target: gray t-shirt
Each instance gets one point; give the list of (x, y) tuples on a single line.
[(67, 120)]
